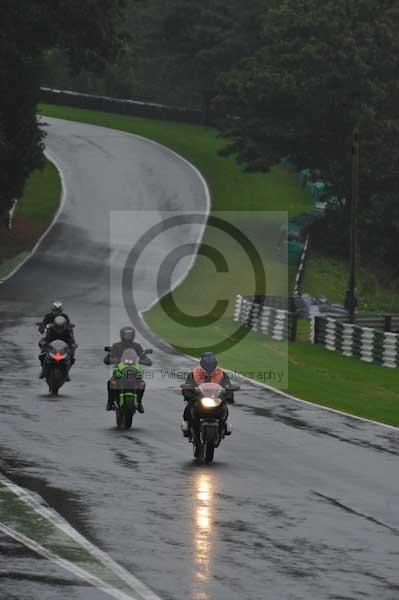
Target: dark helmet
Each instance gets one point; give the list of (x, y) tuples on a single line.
[(209, 362), (59, 324), (57, 307), (127, 335), (129, 357)]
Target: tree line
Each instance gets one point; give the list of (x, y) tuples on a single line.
[(286, 78), (89, 34)]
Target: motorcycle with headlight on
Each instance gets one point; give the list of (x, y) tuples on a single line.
[(208, 423)]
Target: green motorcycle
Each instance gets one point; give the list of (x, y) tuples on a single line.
[(126, 384), (126, 406)]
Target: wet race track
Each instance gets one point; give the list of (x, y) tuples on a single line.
[(301, 503)]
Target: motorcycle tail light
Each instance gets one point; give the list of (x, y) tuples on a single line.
[(58, 356)]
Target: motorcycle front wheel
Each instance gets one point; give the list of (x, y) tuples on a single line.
[(128, 419), (209, 452), (124, 415), (198, 452)]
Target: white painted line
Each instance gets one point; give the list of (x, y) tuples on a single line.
[(206, 215), (57, 214), (11, 213), (65, 564), (47, 513), (314, 405)]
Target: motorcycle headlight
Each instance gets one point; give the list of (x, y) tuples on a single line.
[(210, 402), (117, 374)]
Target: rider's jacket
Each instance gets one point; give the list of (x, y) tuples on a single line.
[(49, 318), (118, 349), (200, 376), (66, 336)]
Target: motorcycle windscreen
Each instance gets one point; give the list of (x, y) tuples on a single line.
[(129, 356), (58, 347), (211, 390)]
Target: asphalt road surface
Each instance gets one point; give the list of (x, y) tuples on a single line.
[(301, 503)]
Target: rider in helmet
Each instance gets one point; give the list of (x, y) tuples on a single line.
[(57, 309), (57, 330), (127, 376), (127, 335), (207, 372)]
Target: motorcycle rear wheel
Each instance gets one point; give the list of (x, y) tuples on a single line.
[(55, 381)]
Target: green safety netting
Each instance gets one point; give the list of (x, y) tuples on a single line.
[(295, 229), (294, 251)]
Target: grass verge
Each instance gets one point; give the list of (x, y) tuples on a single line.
[(315, 374), (34, 213), (329, 277), (231, 188), (23, 518)]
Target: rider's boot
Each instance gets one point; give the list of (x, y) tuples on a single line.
[(185, 428), (41, 359), (228, 428), (110, 402), (140, 407)]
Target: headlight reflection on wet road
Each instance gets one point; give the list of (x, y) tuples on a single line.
[(203, 518)]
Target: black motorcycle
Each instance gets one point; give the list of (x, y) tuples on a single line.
[(208, 420), (57, 362)]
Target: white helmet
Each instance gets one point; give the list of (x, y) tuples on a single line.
[(57, 307)]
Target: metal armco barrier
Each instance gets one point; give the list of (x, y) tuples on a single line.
[(386, 323), (370, 345), (127, 107), (280, 302), (276, 323)]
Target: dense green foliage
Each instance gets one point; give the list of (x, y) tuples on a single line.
[(286, 78), (86, 30), (289, 78), (323, 68), (176, 53)]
